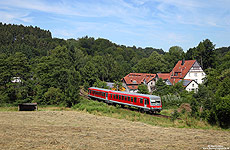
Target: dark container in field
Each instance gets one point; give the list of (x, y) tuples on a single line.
[(27, 107)]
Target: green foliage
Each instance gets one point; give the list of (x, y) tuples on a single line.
[(143, 89), (175, 54), (223, 111), (175, 115), (117, 85), (100, 84), (53, 96), (153, 64), (204, 53), (161, 88)]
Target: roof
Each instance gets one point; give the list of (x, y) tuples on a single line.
[(138, 78), (147, 95), (186, 82), (180, 70), (163, 76)]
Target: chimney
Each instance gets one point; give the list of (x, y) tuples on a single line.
[(183, 62)]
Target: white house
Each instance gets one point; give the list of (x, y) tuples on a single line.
[(190, 71)]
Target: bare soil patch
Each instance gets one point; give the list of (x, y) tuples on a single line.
[(79, 130)]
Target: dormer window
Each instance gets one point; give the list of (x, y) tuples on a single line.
[(134, 81)]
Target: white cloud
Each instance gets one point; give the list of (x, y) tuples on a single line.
[(15, 17)]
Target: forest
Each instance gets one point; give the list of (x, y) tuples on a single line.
[(51, 71)]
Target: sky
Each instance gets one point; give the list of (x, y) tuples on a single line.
[(140, 23)]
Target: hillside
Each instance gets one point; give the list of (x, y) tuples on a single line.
[(51, 70)]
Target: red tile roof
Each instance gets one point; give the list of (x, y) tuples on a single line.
[(138, 78), (163, 76), (180, 70)]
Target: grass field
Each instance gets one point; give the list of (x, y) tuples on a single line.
[(81, 130), (96, 125)]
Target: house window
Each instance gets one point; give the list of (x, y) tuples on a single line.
[(189, 74), (195, 74), (192, 85)]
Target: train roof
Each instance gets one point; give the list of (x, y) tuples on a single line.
[(147, 95)]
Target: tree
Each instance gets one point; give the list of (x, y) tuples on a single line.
[(153, 64), (203, 53), (175, 54), (117, 86), (161, 88), (100, 84), (143, 89)]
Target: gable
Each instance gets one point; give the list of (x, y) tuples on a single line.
[(181, 69)]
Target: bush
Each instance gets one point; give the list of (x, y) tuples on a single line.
[(172, 101), (223, 112), (175, 115)]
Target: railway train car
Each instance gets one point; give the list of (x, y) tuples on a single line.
[(144, 102)]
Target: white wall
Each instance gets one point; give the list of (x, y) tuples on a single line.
[(150, 85), (195, 75), (192, 86)]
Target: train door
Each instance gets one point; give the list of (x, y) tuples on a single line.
[(146, 101)]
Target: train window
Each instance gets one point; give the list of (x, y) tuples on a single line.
[(116, 96), (135, 99), (111, 96), (128, 98), (131, 99), (123, 97), (119, 97), (141, 100), (147, 101)]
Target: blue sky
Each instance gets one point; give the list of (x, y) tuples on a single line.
[(143, 23)]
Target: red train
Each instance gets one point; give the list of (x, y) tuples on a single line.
[(144, 102)]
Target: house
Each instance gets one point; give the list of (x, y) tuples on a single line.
[(189, 85), (188, 69), (191, 73), (132, 80), (163, 76)]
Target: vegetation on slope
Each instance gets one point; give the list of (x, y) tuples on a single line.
[(49, 70)]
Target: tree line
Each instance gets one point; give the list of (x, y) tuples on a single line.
[(51, 70)]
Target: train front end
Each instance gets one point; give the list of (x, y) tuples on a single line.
[(155, 104)]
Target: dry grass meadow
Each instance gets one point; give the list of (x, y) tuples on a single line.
[(80, 130)]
